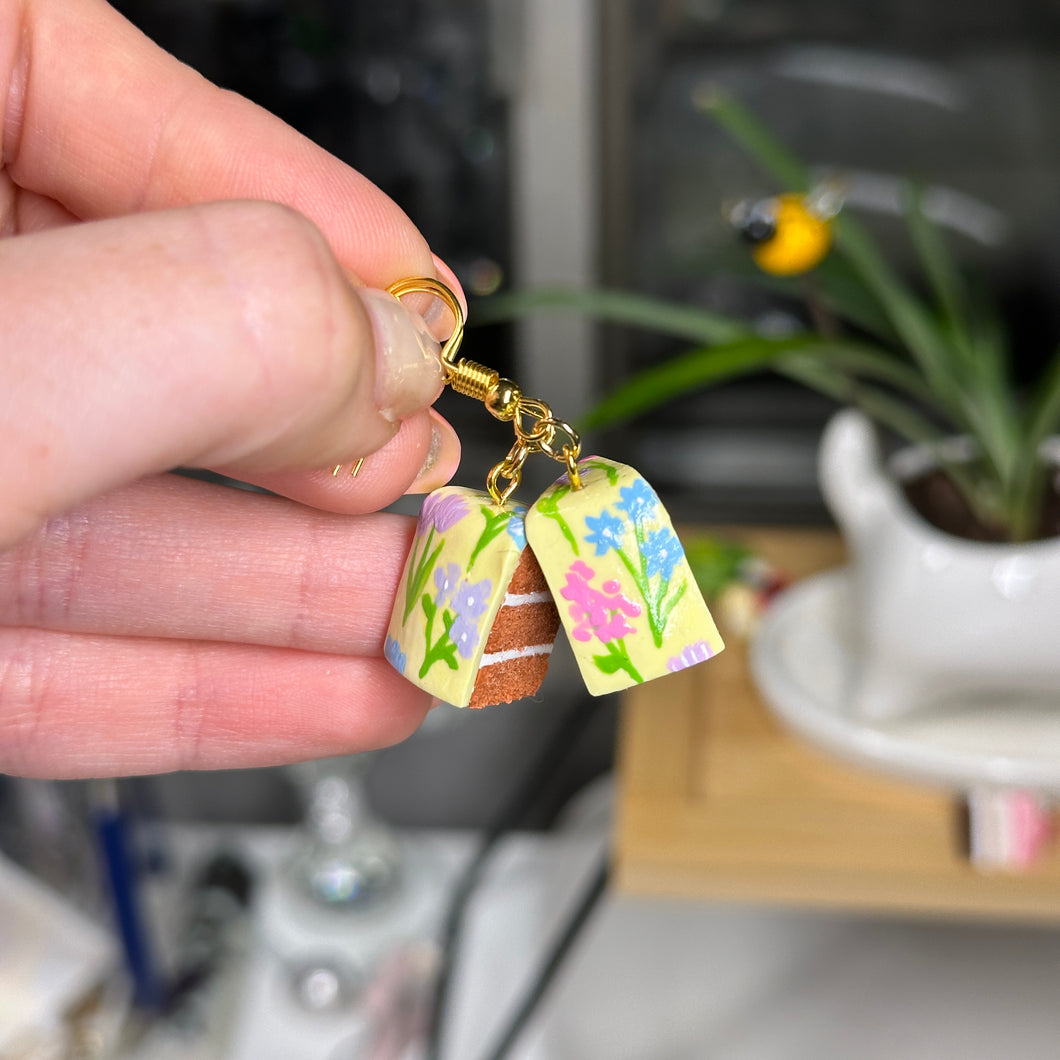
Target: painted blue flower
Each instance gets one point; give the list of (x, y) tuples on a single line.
[(517, 527), (394, 655), (662, 552), (472, 598), (446, 581), (638, 501), (464, 635), (606, 531)]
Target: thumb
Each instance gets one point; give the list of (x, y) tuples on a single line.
[(217, 335)]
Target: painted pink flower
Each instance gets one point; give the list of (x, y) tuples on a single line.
[(614, 628), (600, 612)]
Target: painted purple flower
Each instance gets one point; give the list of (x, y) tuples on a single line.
[(638, 501), (446, 580), (692, 654), (464, 635), (472, 598), (442, 511), (600, 612), (426, 519), (606, 531), (662, 552)]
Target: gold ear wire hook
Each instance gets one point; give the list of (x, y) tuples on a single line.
[(425, 285), (502, 397), (466, 377)]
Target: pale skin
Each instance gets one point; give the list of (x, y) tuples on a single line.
[(177, 287)]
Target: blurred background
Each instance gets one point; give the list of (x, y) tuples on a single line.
[(563, 142)]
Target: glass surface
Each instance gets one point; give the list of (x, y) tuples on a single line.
[(345, 857)]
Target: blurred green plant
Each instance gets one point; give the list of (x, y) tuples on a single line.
[(924, 367)]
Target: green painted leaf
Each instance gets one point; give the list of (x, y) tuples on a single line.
[(608, 664)]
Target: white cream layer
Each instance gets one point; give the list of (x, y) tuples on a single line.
[(493, 657), (518, 599)]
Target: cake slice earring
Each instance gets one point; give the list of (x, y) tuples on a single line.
[(488, 582)]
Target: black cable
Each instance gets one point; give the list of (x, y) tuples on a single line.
[(554, 959), (512, 813)]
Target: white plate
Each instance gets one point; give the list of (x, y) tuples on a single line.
[(804, 666)]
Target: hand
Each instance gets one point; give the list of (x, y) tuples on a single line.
[(220, 308)]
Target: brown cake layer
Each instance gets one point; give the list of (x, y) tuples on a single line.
[(515, 627), (519, 625), (508, 681), (528, 576)]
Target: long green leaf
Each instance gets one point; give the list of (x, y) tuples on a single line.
[(869, 362), (944, 374), (986, 394), (756, 139), (699, 368), (617, 307), (1043, 420), (909, 318), (835, 283), (685, 373), (1044, 415), (831, 380), (937, 263), (895, 413), (945, 371), (847, 297)]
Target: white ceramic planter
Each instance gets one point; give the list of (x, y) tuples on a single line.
[(939, 621)]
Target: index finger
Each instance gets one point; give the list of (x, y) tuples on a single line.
[(105, 122)]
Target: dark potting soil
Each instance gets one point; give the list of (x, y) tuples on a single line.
[(935, 497)]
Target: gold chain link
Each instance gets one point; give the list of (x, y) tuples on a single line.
[(535, 427)]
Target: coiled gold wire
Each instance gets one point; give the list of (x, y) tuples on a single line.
[(535, 426)]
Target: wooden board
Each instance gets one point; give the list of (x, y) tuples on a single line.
[(718, 801)]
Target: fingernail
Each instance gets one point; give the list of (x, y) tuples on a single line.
[(408, 374), (437, 314), (443, 456), (448, 277)]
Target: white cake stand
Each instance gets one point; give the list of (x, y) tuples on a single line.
[(804, 665)]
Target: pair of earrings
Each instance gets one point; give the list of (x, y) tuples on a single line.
[(489, 581)]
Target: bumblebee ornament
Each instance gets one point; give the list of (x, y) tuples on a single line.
[(789, 234)]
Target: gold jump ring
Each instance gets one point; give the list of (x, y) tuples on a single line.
[(542, 430), (574, 446), (501, 495)]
